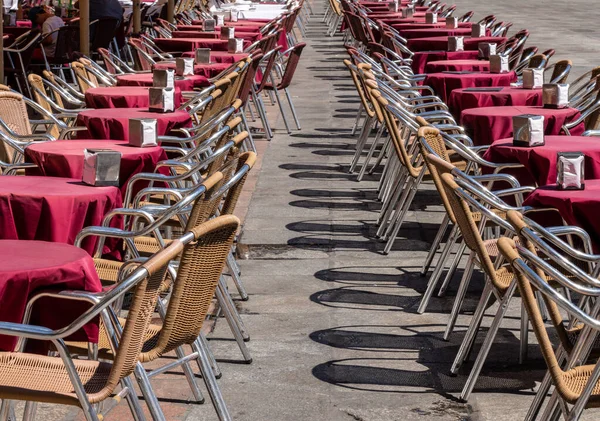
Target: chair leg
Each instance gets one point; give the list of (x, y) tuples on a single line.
[(460, 295), (370, 154), (435, 245), (236, 277), (245, 123), (280, 104), (132, 400), (189, 375), (211, 357), (524, 335), (148, 394), (235, 329), (362, 140), (358, 116), (452, 269), (294, 115), (29, 411)]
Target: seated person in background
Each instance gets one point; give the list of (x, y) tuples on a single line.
[(49, 23)]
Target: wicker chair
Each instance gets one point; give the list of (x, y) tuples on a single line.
[(85, 80), (560, 71)]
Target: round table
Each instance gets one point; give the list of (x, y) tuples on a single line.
[(247, 27), (206, 70), (464, 99), (434, 32), (122, 97), (488, 124), (29, 267), (186, 83), (220, 56), (421, 58), (441, 43), (247, 36), (64, 158), (52, 209), (191, 44), (402, 26), (113, 123), (445, 82), (471, 65)]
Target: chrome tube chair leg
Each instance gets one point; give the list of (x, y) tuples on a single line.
[(435, 245), (362, 140), (211, 357), (280, 104), (460, 295), (30, 410), (260, 107), (292, 108), (189, 375), (149, 396), (382, 154), (132, 400), (524, 336), (357, 120), (236, 277), (250, 139), (370, 154), (452, 269), (229, 302), (7, 411), (233, 326)]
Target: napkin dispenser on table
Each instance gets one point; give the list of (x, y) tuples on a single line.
[(533, 78), (202, 56), (555, 95), (408, 12), (456, 43), (486, 49), (227, 32), (499, 64), (528, 130), (163, 78), (101, 167), (234, 15), (219, 20), (570, 169), (451, 23), (184, 66), (235, 46), (142, 132), (478, 30), (208, 25), (431, 17), (393, 7), (162, 100)]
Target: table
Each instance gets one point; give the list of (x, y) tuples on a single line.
[(434, 32), (64, 158), (470, 65), (220, 56), (246, 26), (113, 123), (401, 26), (123, 97), (488, 124), (264, 11), (464, 99), (29, 267), (186, 83), (247, 36), (207, 70), (52, 209), (421, 58), (540, 161), (191, 44), (445, 82), (441, 43)]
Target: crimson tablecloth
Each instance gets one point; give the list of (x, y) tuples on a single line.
[(441, 43), (464, 99), (113, 123), (472, 65), (64, 158), (488, 124), (187, 83), (52, 209), (122, 97), (29, 267), (421, 58), (247, 36), (220, 56), (434, 32), (444, 83), (401, 26), (245, 26), (191, 44), (206, 70)]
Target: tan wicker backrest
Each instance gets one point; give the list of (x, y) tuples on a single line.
[(220, 160), (36, 82), (592, 121), (200, 267), (13, 113), (371, 85), (360, 89), (249, 159), (560, 67), (91, 77), (57, 98), (204, 207), (81, 75), (537, 61)]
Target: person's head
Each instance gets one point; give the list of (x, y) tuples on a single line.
[(38, 15)]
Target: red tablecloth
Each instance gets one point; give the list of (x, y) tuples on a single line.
[(191, 44), (471, 65), (434, 32), (401, 26), (421, 58), (113, 123), (206, 70), (444, 83), (29, 267), (247, 36), (441, 43), (122, 97), (187, 83), (64, 158), (540, 161), (220, 56), (464, 99), (247, 26), (488, 124), (52, 209)]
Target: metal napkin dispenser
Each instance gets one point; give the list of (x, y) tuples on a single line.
[(202, 56), (478, 30), (142, 132), (430, 17), (235, 46), (101, 167), (533, 78), (456, 43), (393, 7), (555, 95), (570, 169), (184, 66), (451, 23), (487, 49), (162, 100), (208, 25), (227, 32), (163, 78), (234, 15), (408, 12), (499, 64), (528, 130), (219, 20)]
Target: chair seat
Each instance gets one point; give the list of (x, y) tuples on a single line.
[(108, 270), (573, 382), (45, 379)]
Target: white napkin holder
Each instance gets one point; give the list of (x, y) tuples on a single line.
[(528, 130), (393, 7), (487, 49), (456, 43), (499, 64), (202, 56), (208, 25), (408, 12), (478, 30), (431, 17), (570, 170), (451, 23), (184, 66), (142, 132), (101, 167), (533, 78), (555, 95), (235, 46), (162, 100), (219, 20), (227, 32), (234, 15), (163, 78)]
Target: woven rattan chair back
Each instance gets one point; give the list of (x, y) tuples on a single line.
[(561, 71), (83, 77), (13, 112), (38, 87), (50, 77), (247, 159), (538, 61), (368, 107)]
